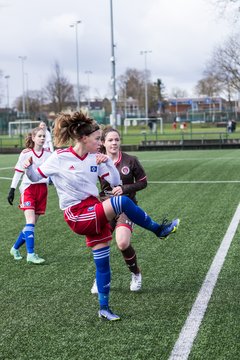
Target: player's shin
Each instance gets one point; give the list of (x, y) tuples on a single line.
[(20, 240), (103, 275), (134, 213), (29, 236)]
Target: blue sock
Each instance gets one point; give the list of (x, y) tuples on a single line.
[(29, 236), (20, 241), (134, 213), (103, 274)]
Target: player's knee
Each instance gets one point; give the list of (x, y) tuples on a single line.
[(122, 244)]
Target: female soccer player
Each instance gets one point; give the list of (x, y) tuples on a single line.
[(75, 173), (33, 199), (48, 137), (133, 179)]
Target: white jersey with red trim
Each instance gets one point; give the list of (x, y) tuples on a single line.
[(48, 141), (38, 159), (74, 177)]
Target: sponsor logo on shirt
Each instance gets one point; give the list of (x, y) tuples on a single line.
[(71, 167), (93, 168), (27, 203), (90, 208), (125, 170)]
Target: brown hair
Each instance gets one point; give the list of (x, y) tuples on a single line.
[(104, 131), (29, 143), (73, 126)]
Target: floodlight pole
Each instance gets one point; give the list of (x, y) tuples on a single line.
[(88, 72), (145, 52), (27, 98), (23, 58), (113, 78), (77, 62), (7, 85)]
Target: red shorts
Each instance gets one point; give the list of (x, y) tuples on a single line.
[(88, 218), (34, 197)]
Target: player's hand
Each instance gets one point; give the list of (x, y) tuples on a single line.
[(116, 191), (10, 197), (28, 163), (101, 158)]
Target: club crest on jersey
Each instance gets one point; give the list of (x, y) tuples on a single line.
[(90, 208), (125, 170), (27, 203), (93, 168)]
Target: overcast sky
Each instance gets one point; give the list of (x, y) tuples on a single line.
[(180, 34)]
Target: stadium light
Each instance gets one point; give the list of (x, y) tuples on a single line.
[(113, 63), (27, 93), (145, 52), (23, 58), (7, 87), (75, 25), (88, 72)]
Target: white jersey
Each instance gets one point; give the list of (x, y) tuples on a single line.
[(38, 159), (48, 141), (75, 177)]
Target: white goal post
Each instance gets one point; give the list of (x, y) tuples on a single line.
[(136, 121), (21, 127)]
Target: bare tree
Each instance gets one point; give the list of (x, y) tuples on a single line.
[(34, 101), (224, 66), (227, 9), (131, 84), (178, 93), (59, 90), (208, 86)]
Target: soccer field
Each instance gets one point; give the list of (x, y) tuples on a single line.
[(48, 312)]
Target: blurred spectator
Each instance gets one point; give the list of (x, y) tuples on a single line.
[(150, 125), (229, 126), (234, 124)]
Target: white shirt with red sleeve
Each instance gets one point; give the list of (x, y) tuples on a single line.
[(75, 178), (38, 159)]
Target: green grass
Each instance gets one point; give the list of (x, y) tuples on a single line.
[(135, 134), (48, 312)]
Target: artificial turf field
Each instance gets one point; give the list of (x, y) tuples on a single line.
[(48, 312)]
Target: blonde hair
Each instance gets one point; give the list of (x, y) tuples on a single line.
[(73, 127)]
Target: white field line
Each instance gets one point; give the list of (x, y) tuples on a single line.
[(7, 168), (5, 178), (183, 345), (188, 159), (195, 182)]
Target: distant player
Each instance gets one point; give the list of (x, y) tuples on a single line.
[(75, 172), (48, 144), (33, 198)]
